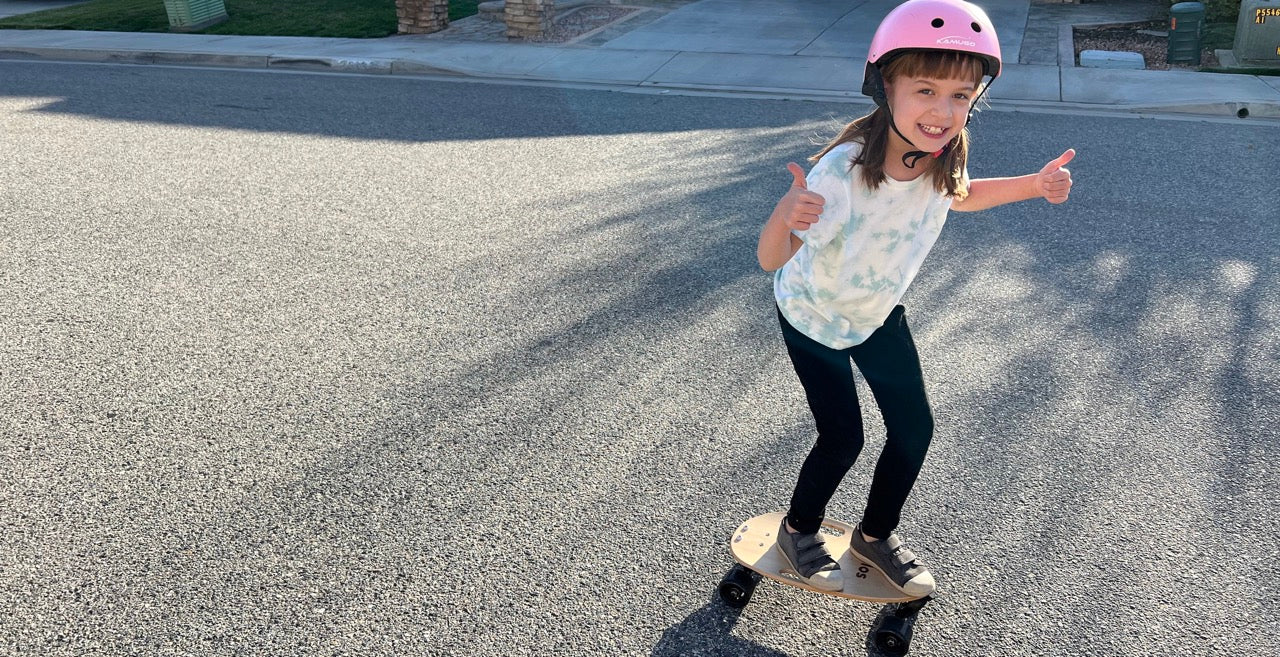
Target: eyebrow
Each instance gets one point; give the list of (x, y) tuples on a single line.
[(930, 81)]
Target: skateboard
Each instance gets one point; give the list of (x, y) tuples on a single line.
[(754, 547)]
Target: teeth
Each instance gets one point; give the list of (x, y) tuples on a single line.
[(928, 129)]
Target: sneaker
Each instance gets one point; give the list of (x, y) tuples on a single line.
[(892, 558), (807, 558)]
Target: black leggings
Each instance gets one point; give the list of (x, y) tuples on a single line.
[(891, 366)]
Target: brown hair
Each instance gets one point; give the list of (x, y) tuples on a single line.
[(872, 130)]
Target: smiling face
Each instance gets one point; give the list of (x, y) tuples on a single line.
[(929, 111), (930, 94)]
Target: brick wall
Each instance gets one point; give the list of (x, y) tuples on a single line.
[(528, 18), (422, 16)]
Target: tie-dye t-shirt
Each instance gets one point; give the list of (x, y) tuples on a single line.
[(861, 254)]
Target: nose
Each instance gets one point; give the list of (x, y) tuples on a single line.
[(941, 107)]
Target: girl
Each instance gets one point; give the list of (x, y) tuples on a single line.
[(847, 241)]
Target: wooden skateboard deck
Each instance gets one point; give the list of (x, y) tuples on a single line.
[(754, 545)]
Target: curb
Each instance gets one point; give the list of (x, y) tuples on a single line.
[(337, 64), (368, 66), (137, 57), (1240, 109), (406, 67)]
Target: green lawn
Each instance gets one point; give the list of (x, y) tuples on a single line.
[(330, 18)]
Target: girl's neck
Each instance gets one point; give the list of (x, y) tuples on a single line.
[(893, 166)]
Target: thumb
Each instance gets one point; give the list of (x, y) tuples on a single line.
[(1061, 161), (798, 174)]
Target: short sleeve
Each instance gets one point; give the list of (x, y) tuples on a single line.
[(830, 178)]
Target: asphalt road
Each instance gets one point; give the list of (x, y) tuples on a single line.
[(323, 365)]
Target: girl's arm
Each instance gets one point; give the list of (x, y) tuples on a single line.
[(797, 210), (1053, 183), (777, 244)]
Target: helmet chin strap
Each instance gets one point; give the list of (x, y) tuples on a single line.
[(910, 158)]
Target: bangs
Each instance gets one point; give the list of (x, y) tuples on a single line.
[(936, 64)]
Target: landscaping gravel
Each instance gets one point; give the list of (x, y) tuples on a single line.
[(1149, 39)]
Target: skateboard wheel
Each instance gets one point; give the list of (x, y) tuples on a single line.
[(737, 586), (893, 637)]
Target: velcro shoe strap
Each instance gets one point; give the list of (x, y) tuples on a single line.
[(812, 553), (901, 555)]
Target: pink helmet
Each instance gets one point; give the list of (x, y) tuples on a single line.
[(932, 25)]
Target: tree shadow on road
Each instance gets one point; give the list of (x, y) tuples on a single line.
[(1111, 362)]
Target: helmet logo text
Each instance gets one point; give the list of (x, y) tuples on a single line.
[(957, 41)]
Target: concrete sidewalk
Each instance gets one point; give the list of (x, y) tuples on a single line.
[(791, 48)]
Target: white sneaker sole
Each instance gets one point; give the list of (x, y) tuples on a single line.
[(918, 586), (830, 580)]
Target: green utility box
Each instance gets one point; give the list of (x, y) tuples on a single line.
[(191, 15), (1258, 33), (1186, 23)]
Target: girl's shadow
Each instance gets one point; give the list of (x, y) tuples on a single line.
[(709, 632)]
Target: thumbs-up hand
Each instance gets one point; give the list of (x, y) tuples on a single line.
[(800, 207), (1054, 180)]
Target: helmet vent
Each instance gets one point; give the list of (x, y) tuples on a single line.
[(937, 22), (976, 27)]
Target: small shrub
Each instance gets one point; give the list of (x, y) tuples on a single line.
[(1217, 11)]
